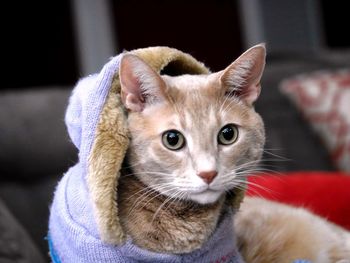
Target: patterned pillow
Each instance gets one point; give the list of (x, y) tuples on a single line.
[(323, 97)]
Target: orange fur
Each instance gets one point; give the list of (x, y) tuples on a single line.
[(269, 232)]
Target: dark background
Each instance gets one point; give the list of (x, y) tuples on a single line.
[(39, 47)]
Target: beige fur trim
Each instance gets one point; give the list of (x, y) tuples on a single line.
[(107, 154), (112, 140), (160, 57)]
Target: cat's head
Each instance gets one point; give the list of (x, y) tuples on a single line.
[(194, 137)]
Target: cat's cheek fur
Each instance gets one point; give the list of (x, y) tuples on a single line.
[(161, 169)]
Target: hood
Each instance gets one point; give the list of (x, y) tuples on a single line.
[(96, 122)]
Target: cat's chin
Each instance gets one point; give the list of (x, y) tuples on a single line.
[(205, 197)]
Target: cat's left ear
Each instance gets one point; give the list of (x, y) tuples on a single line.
[(242, 78)]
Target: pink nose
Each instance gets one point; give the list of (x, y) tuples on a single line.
[(208, 177)]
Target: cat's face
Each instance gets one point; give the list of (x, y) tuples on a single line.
[(193, 135)]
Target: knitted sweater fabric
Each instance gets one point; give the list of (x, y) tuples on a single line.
[(73, 231)]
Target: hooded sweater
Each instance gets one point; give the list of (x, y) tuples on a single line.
[(78, 231)]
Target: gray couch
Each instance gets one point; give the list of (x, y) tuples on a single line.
[(288, 135), (35, 150)]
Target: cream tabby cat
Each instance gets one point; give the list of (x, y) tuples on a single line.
[(194, 139)]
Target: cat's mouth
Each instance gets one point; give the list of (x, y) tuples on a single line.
[(203, 195), (206, 196)]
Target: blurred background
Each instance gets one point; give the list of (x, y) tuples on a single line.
[(49, 45), (59, 41)]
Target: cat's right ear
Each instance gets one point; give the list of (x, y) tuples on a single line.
[(140, 84)]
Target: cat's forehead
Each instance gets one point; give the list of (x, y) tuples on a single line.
[(190, 83), (200, 99), (194, 92), (193, 102)]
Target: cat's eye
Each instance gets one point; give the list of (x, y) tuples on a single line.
[(173, 140), (228, 134)]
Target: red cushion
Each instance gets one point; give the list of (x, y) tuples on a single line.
[(325, 193)]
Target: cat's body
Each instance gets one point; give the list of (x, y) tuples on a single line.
[(272, 232), (194, 138)]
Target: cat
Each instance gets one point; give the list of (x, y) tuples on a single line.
[(194, 138)]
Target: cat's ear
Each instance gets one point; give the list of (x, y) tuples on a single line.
[(242, 78), (140, 84)]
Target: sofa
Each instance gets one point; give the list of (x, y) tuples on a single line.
[(35, 150), (34, 153)]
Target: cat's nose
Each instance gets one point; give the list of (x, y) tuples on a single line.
[(208, 177)]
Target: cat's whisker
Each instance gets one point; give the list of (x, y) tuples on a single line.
[(240, 182), (255, 192), (274, 150), (258, 172), (253, 162), (162, 205), (252, 166), (242, 187), (260, 187), (140, 199), (228, 106), (230, 183), (264, 162), (178, 197), (265, 174), (236, 186), (159, 192), (147, 188), (275, 155), (228, 190), (221, 110), (171, 199), (148, 191)]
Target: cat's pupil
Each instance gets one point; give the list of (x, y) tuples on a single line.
[(227, 133), (172, 138)]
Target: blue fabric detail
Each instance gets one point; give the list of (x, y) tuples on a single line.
[(301, 261), (54, 256)]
